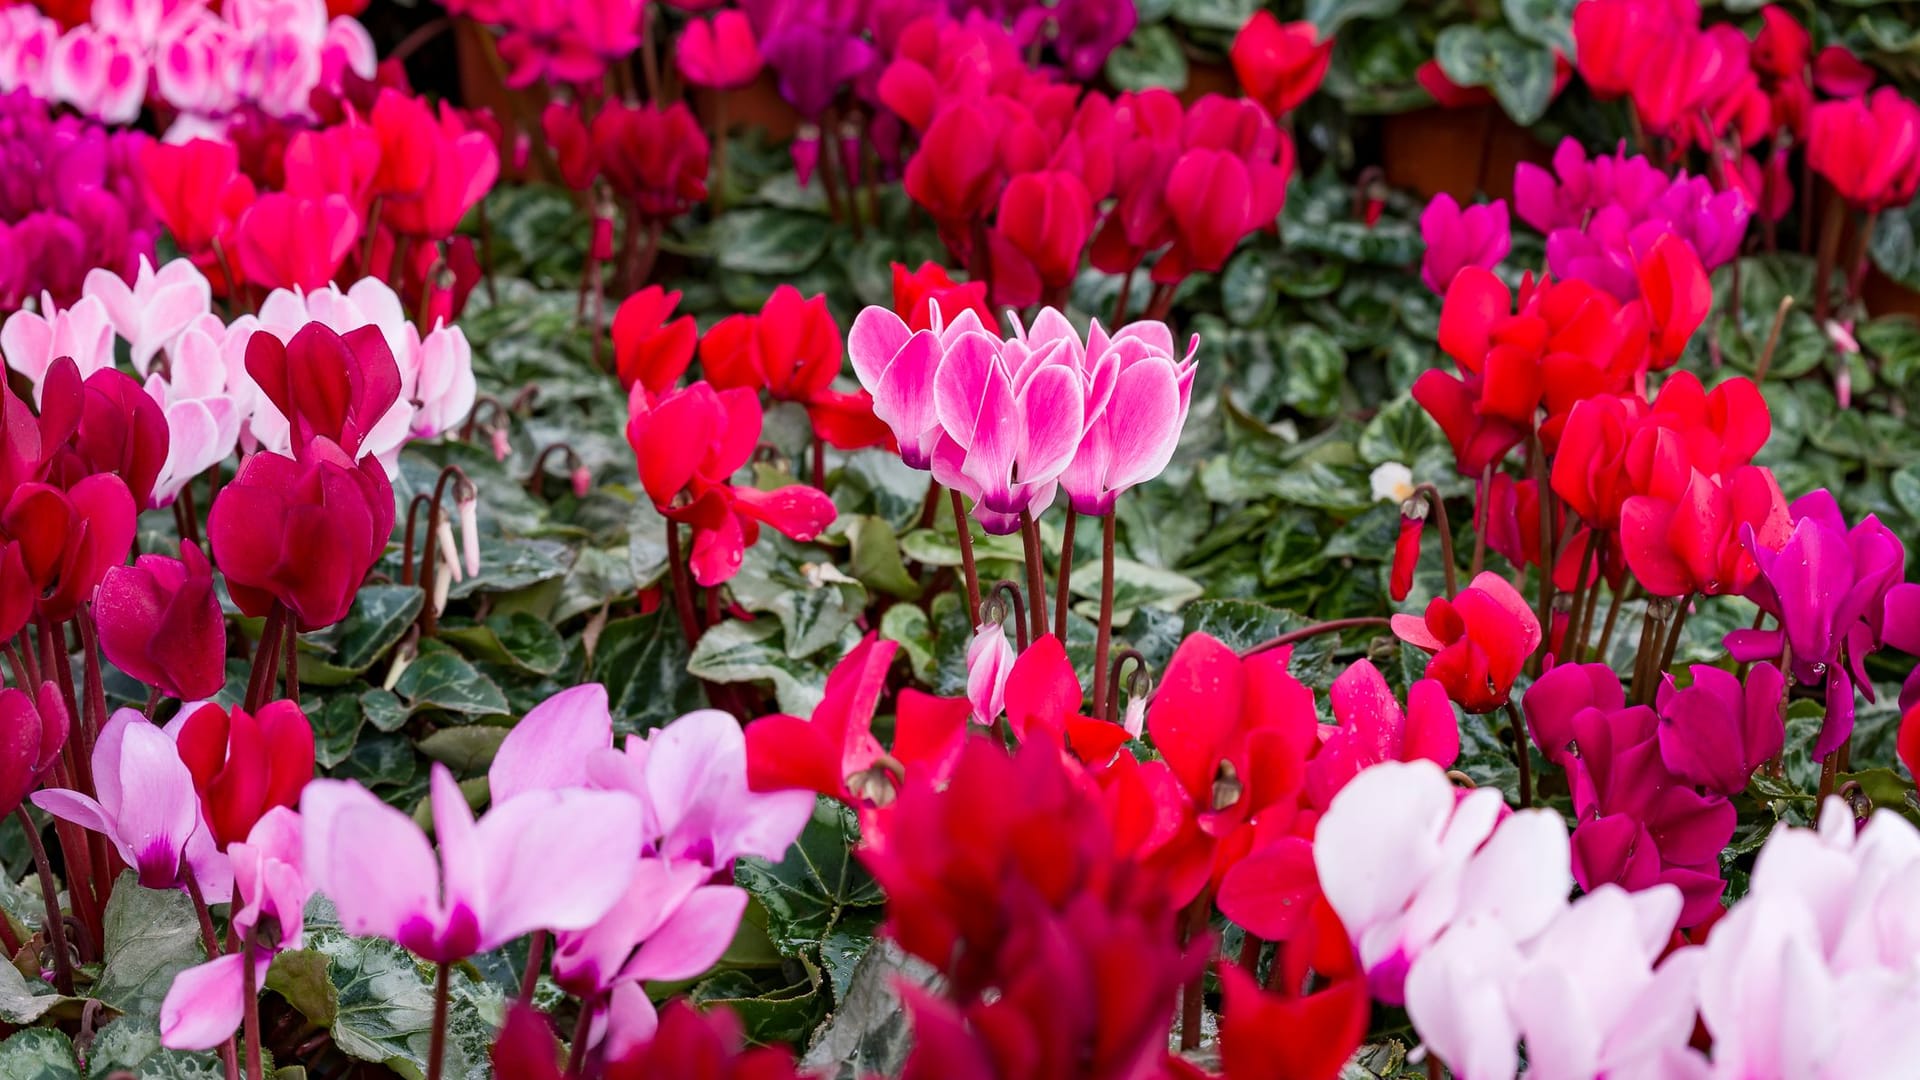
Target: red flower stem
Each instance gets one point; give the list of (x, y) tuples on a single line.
[(713, 605), (1060, 590), (1652, 636), (1437, 508), (1481, 512), (1832, 223), (1036, 576), (250, 1001), (1250, 946), (965, 532), (373, 229), (682, 585), (15, 668), (649, 62), (1673, 638), (717, 192), (266, 658), (1773, 339), (1613, 618), (1331, 626), (96, 690), (1103, 642), (1585, 627), (211, 940), (1521, 755), (536, 958), (1120, 301), (1584, 586), (56, 927), (1191, 1000), (292, 634), (437, 1049), (582, 1031), (819, 474), (406, 544)]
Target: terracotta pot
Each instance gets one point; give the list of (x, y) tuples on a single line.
[(518, 111), (1209, 78), (1457, 151), (756, 105)]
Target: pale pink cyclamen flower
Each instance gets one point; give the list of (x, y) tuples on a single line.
[(990, 659), (555, 860), (698, 815), (898, 365), (1137, 393), (207, 1002), (151, 312), (102, 75), (204, 416), (1458, 238), (27, 39), (1813, 973), (1402, 855), (196, 68), (32, 340), (147, 807)]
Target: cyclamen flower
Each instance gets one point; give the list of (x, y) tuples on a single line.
[(1479, 641), (1456, 238), (898, 367), (1716, 732), (160, 622), (990, 659), (556, 860), (155, 309), (244, 764), (33, 731), (31, 341)]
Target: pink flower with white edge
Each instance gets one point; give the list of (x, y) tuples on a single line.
[(146, 807), (1137, 396), (99, 73), (151, 312), (989, 661), (1011, 414), (897, 366), (206, 1002), (1402, 855), (196, 67), (31, 341), (554, 860), (442, 387), (27, 39), (203, 419)]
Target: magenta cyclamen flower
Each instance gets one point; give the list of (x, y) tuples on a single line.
[(1011, 417), (989, 661), (1827, 588), (207, 1002), (1137, 396), (555, 860), (1456, 239), (1578, 186), (147, 807), (1715, 732)]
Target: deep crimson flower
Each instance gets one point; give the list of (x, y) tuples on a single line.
[(69, 539), (572, 144), (301, 532), (690, 1042), (835, 753), (1868, 148), (955, 174), (327, 385), (33, 730), (244, 765), (650, 346), (916, 293), (1406, 555), (160, 622), (1479, 641), (1280, 65), (1716, 732), (654, 158), (197, 191), (689, 443), (122, 431)]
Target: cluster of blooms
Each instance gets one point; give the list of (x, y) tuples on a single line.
[(1464, 917), (73, 198), (1014, 166), (385, 184), (203, 63), (196, 367)]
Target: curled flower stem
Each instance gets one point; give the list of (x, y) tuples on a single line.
[(1438, 508), (1060, 590), (1104, 639), (1331, 626), (406, 544), (437, 1049), (1002, 599), (50, 897), (965, 532), (1521, 756), (536, 480), (1036, 575), (1142, 683)]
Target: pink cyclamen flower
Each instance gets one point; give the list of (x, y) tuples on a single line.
[(1011, 417), (32, 341), (292, 242), (152, 311), (147, 807), (1372, 729), (204, 404), (1137, 396), (555, 860), (990, 659), (160, 622), (207, 1002), (99, 73), (1456, 238), (897, 366), (719, 53), (1402, 854)]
